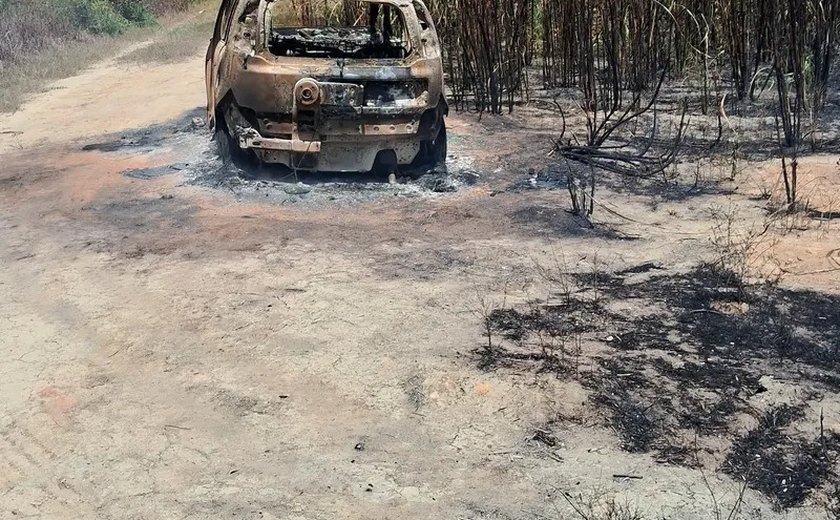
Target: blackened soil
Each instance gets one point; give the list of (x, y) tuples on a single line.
[(145, 140), (782, 465), (550, 221), (680, 366)]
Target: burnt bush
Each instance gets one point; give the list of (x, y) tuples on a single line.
[(602, 45)]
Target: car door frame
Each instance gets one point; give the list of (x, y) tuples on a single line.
[(213, 59)]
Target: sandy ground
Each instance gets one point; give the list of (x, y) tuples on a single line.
[(105, 99), (175, 351)]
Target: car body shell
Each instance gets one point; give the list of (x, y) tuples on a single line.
[(323, 113)]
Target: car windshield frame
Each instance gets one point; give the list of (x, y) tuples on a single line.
[(394, 37), (404, 13)]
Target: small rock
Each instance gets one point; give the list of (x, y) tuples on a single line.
[(297, 189)]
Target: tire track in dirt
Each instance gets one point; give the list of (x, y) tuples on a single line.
[(15, 465), (37, 480)]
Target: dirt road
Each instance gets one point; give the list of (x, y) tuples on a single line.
[(175, 348)]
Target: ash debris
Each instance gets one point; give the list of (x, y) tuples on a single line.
[(200, 165)]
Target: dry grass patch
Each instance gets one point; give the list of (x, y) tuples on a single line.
[(174, 38), (20, 79), (179, 42)]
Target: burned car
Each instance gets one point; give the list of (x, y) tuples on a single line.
[(338, 85)]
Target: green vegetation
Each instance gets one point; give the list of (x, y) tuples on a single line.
[(105, 16), (177, 43), (28, 26), (52, 39)]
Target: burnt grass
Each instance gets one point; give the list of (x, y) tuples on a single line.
[(783, 466), (674, 369)]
